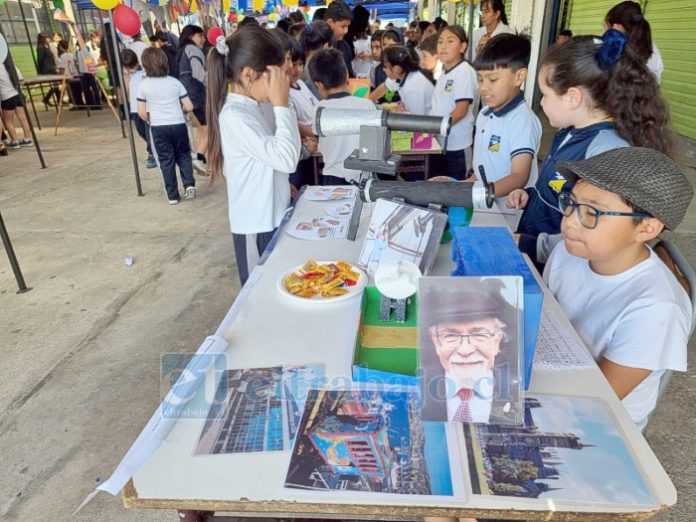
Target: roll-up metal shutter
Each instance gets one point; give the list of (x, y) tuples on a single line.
[(672, 23)]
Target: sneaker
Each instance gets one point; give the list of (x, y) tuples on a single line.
[(26, 143), (151, 163), (173, 201), (14, 145), (190, 193), (201, 167)]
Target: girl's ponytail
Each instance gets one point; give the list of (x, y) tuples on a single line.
[(250, 46), (617, 81), (217, 83), (628, 15), (635, 103)]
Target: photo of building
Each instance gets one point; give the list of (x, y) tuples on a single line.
[(366, 441), (554, 455)]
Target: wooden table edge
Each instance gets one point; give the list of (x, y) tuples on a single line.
[(372, 511)]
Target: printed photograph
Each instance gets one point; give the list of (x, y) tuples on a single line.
[(569, 448), (371, 441), (319, 228), (402, 232), (257, 409), (471, 348)]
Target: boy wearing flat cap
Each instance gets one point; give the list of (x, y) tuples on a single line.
[(627, 306)]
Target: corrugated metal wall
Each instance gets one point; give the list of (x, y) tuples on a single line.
[(673, 24)]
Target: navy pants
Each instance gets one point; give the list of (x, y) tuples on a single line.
[(172, 147), (143, 130), (248, 249), (455, 164), (333, 180)]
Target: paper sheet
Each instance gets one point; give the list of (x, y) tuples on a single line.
[(557, 348)]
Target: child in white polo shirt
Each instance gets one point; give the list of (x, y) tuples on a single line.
[(508, 132), (303, 102), (454, 95), (329, 74), (401, 64), (629, 309), (162, 101)]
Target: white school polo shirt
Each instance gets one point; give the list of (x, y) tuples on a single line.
[(303, 102), (335, 149), (455, 85), (135, 78), (639, 318), (163, 96), (416, 92), (257, 162), (502, 135)]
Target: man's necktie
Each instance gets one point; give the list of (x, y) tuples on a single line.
[(463, 413)]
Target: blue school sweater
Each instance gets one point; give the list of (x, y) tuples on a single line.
[(568, 145)]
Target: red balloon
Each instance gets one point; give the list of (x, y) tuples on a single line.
[(126, 20), (213, 33)]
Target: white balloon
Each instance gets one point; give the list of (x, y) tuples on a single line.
[(3, 48)]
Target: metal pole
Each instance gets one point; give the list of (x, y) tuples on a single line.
[(12, 258), (9, 65), (26, 28), (109, 59), (122, 95)]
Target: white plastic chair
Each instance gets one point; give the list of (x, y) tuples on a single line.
[(682, 270)]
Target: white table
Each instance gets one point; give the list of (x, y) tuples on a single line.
[(273, 330)]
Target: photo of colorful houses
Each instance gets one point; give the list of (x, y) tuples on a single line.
[(372, 441), (568, 449), (257, 409)]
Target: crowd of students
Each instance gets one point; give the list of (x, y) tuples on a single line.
[(605, 190)]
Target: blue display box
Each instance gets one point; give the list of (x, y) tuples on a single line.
[(491, 251)]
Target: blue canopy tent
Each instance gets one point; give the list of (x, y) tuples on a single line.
[(389, 10)]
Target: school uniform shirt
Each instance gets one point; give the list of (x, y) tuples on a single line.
[(303, 102), (344, 48), (415, 91), (655, 64), (335, 149), (639, 318), (502, 135), (362, 66), (135, 78), (438, 70), (455, 85), (7, 90), (478, 34), (138, 47), (571, 144), (67, 62), (163, 97), (257, 163)]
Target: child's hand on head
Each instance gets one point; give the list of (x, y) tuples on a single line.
[(517, 199), (278, 86)]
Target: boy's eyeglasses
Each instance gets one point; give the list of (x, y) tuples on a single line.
[(587, 214)]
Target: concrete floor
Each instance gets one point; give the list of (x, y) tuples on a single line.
[(81, 350)]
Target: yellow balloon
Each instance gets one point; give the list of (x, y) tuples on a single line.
[(106, 5)]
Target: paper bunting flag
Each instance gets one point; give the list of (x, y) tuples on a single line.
[(60, 16)]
